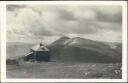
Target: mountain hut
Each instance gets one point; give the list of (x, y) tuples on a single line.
[(38, 53)]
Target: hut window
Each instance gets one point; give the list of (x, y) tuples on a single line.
[(43, 48)]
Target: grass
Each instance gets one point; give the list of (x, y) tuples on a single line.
[(57, 69), (64, 70)]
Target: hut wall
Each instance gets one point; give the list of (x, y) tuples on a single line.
[(29, 57), (42, 56)]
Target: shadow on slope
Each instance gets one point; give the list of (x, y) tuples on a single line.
[(82, 50)]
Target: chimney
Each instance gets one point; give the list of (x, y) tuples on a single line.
[(41, 44)]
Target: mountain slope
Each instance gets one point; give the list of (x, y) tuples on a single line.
[(80, 49)]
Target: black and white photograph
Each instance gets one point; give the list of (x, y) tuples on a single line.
[(64, 41)]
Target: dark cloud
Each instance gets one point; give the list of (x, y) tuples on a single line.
[(66, 15), (110, 18), (13, 7), (109, 13)]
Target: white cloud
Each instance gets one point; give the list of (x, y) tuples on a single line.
[(43, 21)]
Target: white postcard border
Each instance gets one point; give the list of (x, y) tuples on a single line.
[(3, 38)]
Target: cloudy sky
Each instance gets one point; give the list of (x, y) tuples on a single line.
[(49, 22)]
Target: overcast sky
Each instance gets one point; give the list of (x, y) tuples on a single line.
[(49, 22)]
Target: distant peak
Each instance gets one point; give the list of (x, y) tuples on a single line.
[(77, 38), (64, 37), (62, 40), (80, 38)]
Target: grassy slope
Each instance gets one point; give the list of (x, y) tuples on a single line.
[(80, 49), (16, 49), (64, 70), (57, 69)]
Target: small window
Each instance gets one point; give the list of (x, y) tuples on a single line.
[(43, 48)]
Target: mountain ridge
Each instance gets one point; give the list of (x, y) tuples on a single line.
[(60, 48)]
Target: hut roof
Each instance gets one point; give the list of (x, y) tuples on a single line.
[(39, 47), (28, 53)]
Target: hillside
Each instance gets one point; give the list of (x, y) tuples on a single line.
[(17, 49), (85, 50), (70, 58)]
